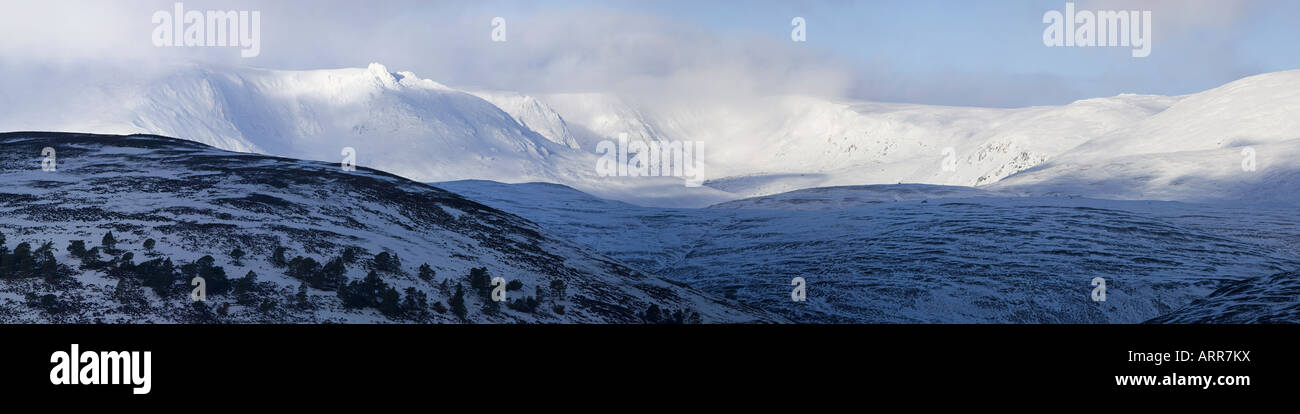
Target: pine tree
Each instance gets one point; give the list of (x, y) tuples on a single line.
[(157, 274), (416, 303), (557, 288), (108, 242), (6, 262), (45, 247), (124, 292), (444, 288), (480, 281), (389, 302), (350, 255), (277, 257), (332, 276), (149, 244), (205, 262), (383, 261), (49, 267), (362, 293), (236, 255), (126, 262), (77, 248), (213, 276), (90, 260), (21, 261), (306, 269), (652, 314), (427, 273), (302, 297), (246, 288), (457, 303)]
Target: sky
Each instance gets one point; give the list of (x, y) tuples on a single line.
[(985, 53)]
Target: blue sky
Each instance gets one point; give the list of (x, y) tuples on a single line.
[(1199, 44), (982, 53)]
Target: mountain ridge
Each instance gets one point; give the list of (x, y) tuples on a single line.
[(429, 132)]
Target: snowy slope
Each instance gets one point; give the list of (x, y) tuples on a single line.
[(925, 254), (833, 198), (1126, 146), (196, 200), (782, 143), (1266, 299), (1185, 148), (1255, 110), (396, 122), (600, 116), (650, 239), (534, 115), (1194, 150)]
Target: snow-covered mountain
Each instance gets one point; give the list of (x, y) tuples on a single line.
[(1035, 202), (1135, 147), (1196, 150), (927, 254), (534, 115), (397, 122), (192, 201), (783, 143), (1128, 146)]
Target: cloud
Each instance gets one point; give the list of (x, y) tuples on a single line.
[(61, 30), (611, 47), (584, 50), (546, 51), (640, 54)]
